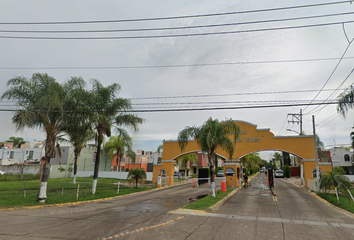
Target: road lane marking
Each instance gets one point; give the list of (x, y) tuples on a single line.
[(263, 219), (139, 229)]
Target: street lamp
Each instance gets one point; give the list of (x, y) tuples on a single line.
[(292, 131)]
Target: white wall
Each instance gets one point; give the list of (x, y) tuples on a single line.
[(117, 175)]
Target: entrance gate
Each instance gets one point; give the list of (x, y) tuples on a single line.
[(250, 140)]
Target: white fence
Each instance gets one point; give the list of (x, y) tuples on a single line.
[(117, 175)]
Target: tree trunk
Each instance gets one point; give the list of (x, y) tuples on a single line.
[(136, 183), (49, 149), (118, 164), (97, 165), (75, 166), (212, 173)]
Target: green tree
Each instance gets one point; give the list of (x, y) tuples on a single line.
[(136, 175), (42, 101), (120, 145), (185, 159), (77, 126), (334, 179), (287, 171), (346, 101), (159, 148), (339, 170), (211, 135), (16, 141), (352, 141), (108, 111)]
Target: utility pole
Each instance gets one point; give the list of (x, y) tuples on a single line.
[(296, 118), (316, 155)]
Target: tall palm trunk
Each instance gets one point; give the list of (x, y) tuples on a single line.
[(212, 173), (75, 164), (49, 149), (97, 164)]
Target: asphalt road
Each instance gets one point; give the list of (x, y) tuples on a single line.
[(252, 213), (97, 220)]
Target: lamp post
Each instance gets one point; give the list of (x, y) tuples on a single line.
[(293, 131)]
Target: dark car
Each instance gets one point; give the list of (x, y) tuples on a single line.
[(177, 175), (220, 173)]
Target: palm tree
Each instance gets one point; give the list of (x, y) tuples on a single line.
[(185, 159), (136, 175), (107, 111), (346, 101), (334, 179), (41, 100), (77, 125), (119, 145), (352, 140), (16, 141), (159, 148), (211, 135)]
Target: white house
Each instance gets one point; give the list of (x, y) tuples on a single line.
[(342, 158)]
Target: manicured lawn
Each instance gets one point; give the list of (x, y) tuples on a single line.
[(208, 201), (24, 193), (344, 201)]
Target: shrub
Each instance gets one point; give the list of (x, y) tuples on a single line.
[(339, 170), (287, 171)]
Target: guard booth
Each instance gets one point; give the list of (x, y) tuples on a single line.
[(232, 174)]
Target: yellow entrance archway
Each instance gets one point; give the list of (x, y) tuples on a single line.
[(251, 139)]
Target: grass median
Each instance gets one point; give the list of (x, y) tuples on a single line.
[(24, 193), (207, 201), (345, 201)]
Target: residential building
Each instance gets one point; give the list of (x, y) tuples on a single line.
[(342, 158)]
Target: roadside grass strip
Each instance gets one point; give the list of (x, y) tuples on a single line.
[(345, 203), (139, 230), (208, 201), (17, 194)]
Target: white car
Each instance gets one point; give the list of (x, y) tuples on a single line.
[(279, 174), (2, 172)]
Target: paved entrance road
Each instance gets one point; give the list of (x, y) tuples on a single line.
[(252, 213), (96, 220)]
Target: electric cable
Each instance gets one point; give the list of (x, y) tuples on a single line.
[(176, 35), (177, 17), (179, 27)]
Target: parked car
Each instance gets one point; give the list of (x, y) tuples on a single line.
[(262, 171), (279, 174), (177, 175), (220, 173)]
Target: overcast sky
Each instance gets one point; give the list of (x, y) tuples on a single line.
[(249, 62)]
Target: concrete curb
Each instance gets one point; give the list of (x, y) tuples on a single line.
[(345, 212), (90, 201)]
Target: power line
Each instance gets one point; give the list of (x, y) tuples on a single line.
[(335, 68), (229, 94), (177, 28), (176, 17), (184, 109), (180, 65), (176, 35)]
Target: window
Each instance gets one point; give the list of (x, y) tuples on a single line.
[(159, 159), (122, 169), (30, 156), (314, 173), (12, 153), (346, 158), (26, 152), (123, 160)]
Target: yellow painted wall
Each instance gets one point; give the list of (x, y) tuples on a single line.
[(251, 140), (168, 167), (310, 165)]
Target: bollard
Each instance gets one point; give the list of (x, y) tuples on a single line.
[(158, 181), (223, 185), (193, 183)]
